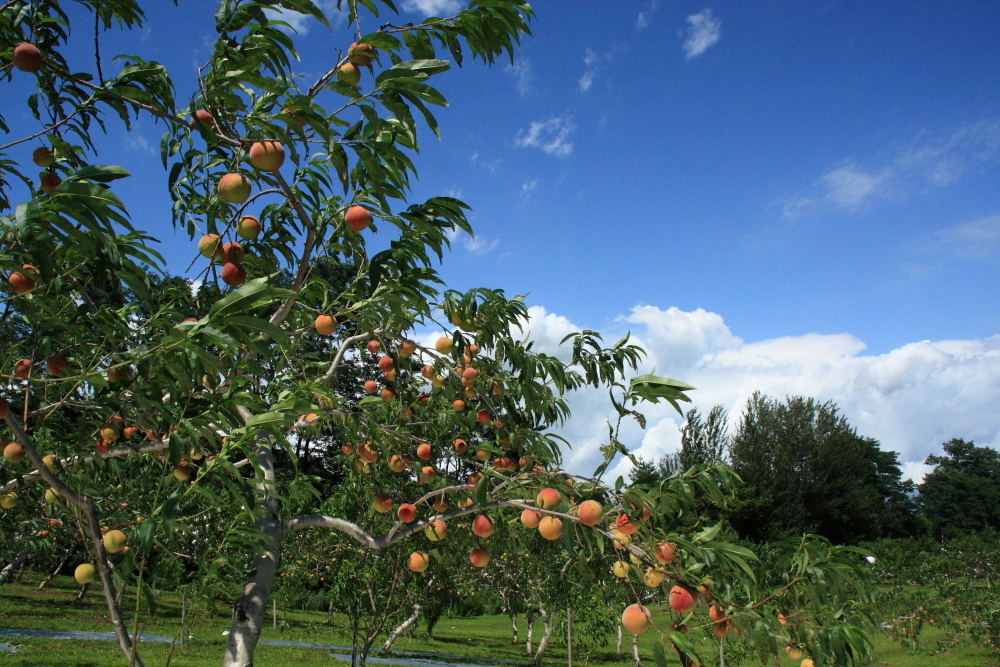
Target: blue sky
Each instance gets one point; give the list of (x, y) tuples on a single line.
[(811, 186)]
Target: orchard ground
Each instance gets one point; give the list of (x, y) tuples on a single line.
[(22, 606)]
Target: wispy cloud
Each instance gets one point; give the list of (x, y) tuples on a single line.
[(481, 244), (488, 165), (975, 239), (550, 135), (528, 187), (703, 33), (432, 7), (925, 164), (642, 20), (590, 61), (523, 75), (300, 23)]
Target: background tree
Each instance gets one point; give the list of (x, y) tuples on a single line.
[(962, 493)]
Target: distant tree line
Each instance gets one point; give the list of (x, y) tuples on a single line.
[(807, 470)]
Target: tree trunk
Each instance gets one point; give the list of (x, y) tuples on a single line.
[(251, 607), (531, 627), (569, 637), (54, 573), (635, 651), (8, 572), (329, 614), (513, 627), (546, 636), (403, 627), (618, 646)]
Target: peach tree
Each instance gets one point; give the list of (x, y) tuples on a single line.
[(112, 388)]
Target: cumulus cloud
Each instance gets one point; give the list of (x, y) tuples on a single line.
[(703, 33), (924, 164), (911, 398), (432, 7), (549, 135)]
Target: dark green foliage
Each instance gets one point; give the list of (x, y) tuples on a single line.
[(962, 493), (808, 471)]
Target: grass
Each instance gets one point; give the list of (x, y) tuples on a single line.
[(55, 608)]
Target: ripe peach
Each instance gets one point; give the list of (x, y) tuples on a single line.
[(435, 530), (233, 252), (248, 228), (182, 472), (43, 156), (13, 453), (267, 155), (550, 528), (373, 347), (480, 557), (664, 552), (8, 501), (458, 405), (406, 513), (681, 599), (590, 512), (84, 573), (368, 452), (358, 218), (326, 325), (419, 561), (459, 446), (716, 613), (210, 245), (624, 525), (27, 58), (22, 282), (57, 364), (474, 478), (483, 416), (396, 463), (483, 454), (427, 372), (530, 518), (548, 499), (360, 54), (49, 182), (385, 364), (807, 663), (204, 117), (233, 274), (382, 503), (427, 475), (234, 188), (440, 504), (482, 526), (370, 387), (388, 395), (721, 628), (348, 73), (406, 348), (444, 345), (635, 619), (114, 541), (424, 452)]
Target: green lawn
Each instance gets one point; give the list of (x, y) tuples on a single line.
[(21, 606)]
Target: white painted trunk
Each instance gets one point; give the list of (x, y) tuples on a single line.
[(8, 571), (618, 646), (513, 627), (635, 651), (403, 627), (546, 636), (250, 609)]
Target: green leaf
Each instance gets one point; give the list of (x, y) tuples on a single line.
[(99, 173)]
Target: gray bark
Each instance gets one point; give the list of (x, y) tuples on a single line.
[(569, 637), (8, 571), (546, 636), (54, 573), (403, 627)]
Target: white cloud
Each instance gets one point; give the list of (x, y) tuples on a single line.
[(590, 60), (926, 164), (703, 33), (976, 239), (911, 399), (550, 136), (528, 187), (523, 75), (432, 7), (480, 244), (851, 187), (488, 165), (642, 20)]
